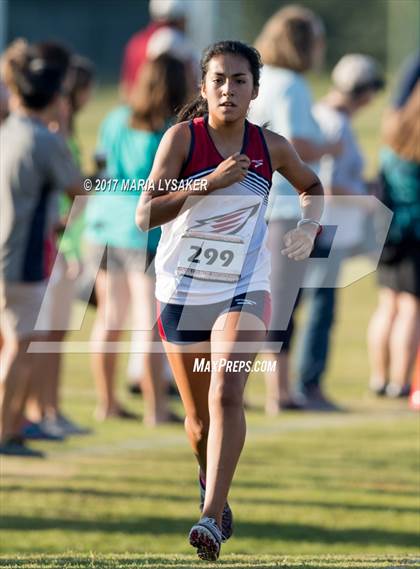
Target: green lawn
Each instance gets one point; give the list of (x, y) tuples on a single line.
[(335, 491), (311, 491), (230, 562)]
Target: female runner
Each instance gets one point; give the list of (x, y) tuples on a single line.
[(212, 264)]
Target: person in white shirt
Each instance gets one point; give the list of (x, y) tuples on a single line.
[(291, 43), (356, 80)]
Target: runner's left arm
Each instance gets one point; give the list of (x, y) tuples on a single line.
[(286, 161)]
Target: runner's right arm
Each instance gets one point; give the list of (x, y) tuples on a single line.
[(158, 206)]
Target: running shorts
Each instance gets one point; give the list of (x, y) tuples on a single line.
[(183, 324)]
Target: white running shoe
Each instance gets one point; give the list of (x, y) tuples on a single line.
[(206, 536)]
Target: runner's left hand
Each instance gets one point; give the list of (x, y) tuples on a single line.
[(300, 242)]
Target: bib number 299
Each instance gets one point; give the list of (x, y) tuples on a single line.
[(210, 256)]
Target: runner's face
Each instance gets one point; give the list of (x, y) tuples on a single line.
[(228, 87)]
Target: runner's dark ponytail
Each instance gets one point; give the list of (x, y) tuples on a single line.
[(196, 108)]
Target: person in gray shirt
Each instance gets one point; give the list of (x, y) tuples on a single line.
[(35, 165)]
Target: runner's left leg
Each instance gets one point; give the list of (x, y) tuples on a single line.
[(227, 418)]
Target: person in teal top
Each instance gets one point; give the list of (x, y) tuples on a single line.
[(128, 140), (129, 156), (394, 330), (401, 181)]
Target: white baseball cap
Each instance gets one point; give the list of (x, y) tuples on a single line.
[(170, 41), (356, 72), (167, 9)]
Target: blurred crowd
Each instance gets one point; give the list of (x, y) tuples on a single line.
[(59, 246)]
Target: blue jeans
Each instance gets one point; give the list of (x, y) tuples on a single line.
[(314, 339)]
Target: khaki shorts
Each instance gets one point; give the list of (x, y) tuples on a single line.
[(20, 305), (116, 259)]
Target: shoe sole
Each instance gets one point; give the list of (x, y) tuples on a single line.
[(203, 540)]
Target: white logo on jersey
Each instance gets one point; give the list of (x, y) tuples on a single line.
[(245, 301), (257, 163), (229, 223)]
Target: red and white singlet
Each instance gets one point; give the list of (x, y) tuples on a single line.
[(216, 248)]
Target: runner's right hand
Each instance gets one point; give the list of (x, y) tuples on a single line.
[(232, 170)]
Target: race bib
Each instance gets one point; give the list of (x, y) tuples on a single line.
[(211, 256)]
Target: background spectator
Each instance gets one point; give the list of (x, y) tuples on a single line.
[(356, 79), (61, 290), (291, 43), (394, 330), (164, 34), (35, 165), (129, 138)]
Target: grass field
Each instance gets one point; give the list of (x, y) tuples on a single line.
[(232, 562), (311, 491)]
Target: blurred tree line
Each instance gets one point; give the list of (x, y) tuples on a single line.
[(99, 29), (386, 29)]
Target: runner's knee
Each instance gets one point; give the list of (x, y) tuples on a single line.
[(227, 393)]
